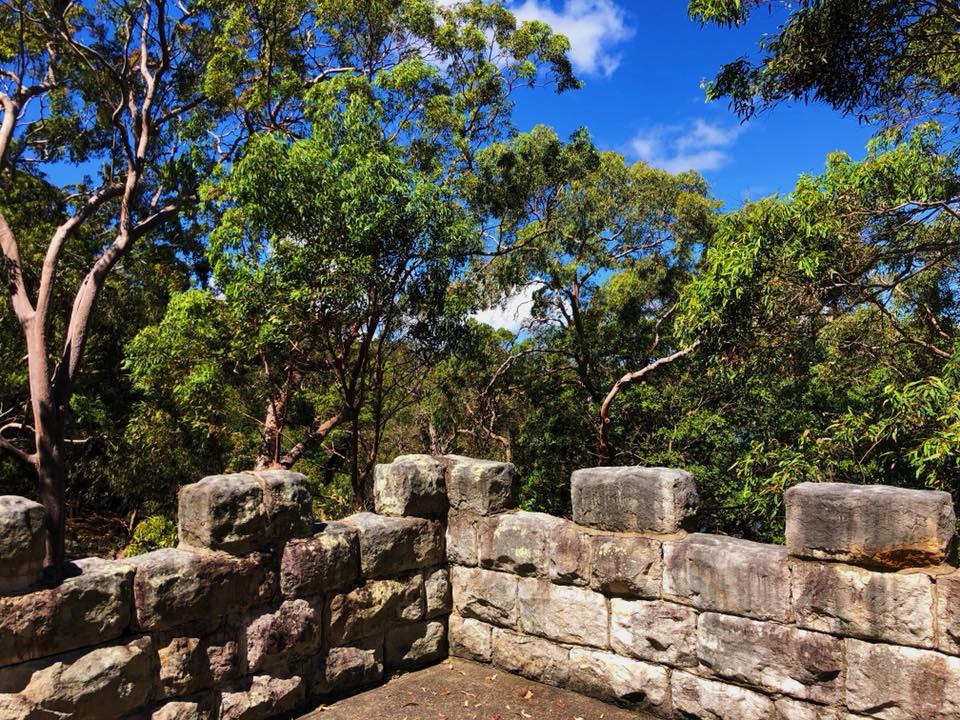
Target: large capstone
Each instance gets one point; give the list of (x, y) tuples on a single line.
[(870, 525), (243, 512), (634, 499), (483, 487), (21, 542), (410, 485)]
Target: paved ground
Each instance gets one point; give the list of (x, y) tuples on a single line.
[(460, 690)]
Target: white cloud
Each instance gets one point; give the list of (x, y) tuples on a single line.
[(593, 27), (699, 145), (511, 314)]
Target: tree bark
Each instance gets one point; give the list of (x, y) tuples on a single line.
[(606, 449)]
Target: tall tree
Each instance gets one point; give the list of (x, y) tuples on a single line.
[(112, 86)]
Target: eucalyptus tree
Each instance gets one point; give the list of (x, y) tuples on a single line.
[(570, 222), (112, 88)]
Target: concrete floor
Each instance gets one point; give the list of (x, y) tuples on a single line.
[(460, 690)]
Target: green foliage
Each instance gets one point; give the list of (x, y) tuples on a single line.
[(152, 533)]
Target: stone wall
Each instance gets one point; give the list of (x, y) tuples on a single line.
[(857, 617), (258, 612)]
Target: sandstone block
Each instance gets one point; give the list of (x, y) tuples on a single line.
[(22, 538), (618, 679), (845, 600), (728, 575), (436, 590), (626, 565), (183, 710), (288, 503), (655, 631), (266, 697), (948, 619), (183, 667), (410, 485), (898, 683), (470, 639), (351, 667), (410, 646), (291, 633), (89, 608), (223, 660), (634, 499), (484, 595), (365, 611), (799, 663), (462, 546), (563, 613), (391, 545), (568, 554), (100, 684), (483, 487), (787, 709), (532, 657), (696, 697), (516, 542), (871, 525), (172, 586), (320, 564), (243, 512)]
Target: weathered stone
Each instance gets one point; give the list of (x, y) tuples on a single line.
[(898, 683), (172, 586), (563, 613), (728, 575), (183, 667), (320, 564), (288, 503), (656, 631), (393, 545), (618, 679), (366, 610), (485, 595), (696, 697), (627, 565), (516, 542), (799, 663), (845, 600), (351, 667), (948, 619), (787, 709), (411, 646), (532, 657), (291, 633), (183, 710), (483, 487), (21, 542), (436, 590), (104, 683), (462, 546), (243, 512), (410, 485), (470, 639), (266, 697), (89, 608), (634, 499), (568, 554), (223, 661), (871, 525)]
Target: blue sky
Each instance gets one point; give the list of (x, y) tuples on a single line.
[(643, 63)]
